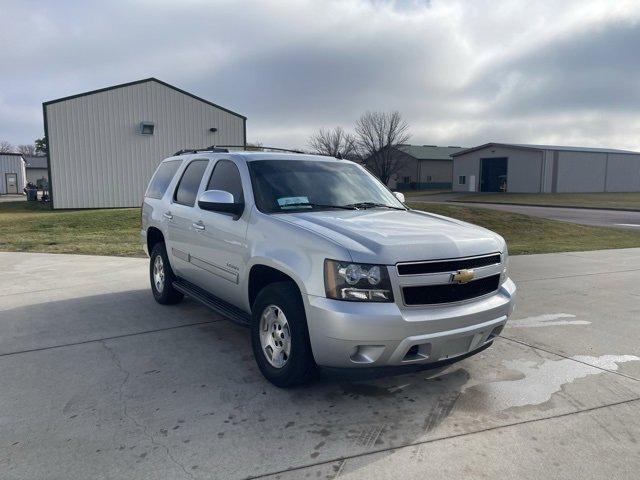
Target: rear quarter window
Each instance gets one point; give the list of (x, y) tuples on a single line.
[(162, 178)]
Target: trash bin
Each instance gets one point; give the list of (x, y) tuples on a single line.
[(32, 194)]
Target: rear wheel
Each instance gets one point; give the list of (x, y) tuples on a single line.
[(162, 277), (279, 336)]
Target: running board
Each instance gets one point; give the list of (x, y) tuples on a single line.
[(225, 309)]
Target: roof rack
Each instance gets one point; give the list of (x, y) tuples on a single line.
[(197, 150), (225, 149), (260, 147)]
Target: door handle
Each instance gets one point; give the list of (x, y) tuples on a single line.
[(198, 225), (167, 215)]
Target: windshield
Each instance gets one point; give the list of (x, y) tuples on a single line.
[(294, 185)]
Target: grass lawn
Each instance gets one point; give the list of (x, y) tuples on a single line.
[(31, 227), (628, 201), (526, 234), (420, 193)]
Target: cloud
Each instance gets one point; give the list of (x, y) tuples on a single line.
[(462, 73)]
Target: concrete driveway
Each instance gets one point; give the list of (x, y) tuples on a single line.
[(97, 381)]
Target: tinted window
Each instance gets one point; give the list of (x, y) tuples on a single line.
[(162, 178), (190, 182), (226, 177)]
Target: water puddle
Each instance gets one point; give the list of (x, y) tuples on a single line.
[(540, 380), (547, 320)]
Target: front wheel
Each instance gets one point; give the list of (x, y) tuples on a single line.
[(279, 336), (162, 277)]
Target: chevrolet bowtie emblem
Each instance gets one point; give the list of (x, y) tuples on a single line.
[(463, 276)]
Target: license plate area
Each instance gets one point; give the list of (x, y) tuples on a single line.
[(455, 347)]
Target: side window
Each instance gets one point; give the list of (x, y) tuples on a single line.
[(190, 182), (462, 179), (226, 177), (162, 178)]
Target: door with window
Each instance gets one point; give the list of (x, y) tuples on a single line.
[(11, 180), (181, 218), (220, 249)]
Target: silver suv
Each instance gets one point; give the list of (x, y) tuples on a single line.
[(324, 264)]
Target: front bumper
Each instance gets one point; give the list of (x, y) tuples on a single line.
[(360, 335)]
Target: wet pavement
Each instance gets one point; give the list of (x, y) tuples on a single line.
[(98, 381)]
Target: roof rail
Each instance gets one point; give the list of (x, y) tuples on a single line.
[(260, 147), (225, 149), (196, 150)]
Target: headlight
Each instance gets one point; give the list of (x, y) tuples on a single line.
[(357, 282), (505, 265)]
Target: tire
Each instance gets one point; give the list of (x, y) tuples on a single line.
[(162, 285), (290, 366)]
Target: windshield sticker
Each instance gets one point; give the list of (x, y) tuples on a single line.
[(293, 202)]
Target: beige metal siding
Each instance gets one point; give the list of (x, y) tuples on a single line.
[(524, 171), (523, 168), (99, 160), (623, 173), (439, 170), (35, 174), (467, 166), (581, 172), (12, 164)]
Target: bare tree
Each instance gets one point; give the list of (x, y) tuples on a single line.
[(6, 147), (253, 146), (334, 143), (29, 150), (378, 133)]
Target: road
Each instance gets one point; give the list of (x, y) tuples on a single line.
[(600, 218), (98, 381), (584, 216)]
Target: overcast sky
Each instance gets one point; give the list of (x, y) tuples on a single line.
[(461, 73)]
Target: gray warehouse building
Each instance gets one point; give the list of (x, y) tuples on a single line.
[(521, 168), (104, 145), (423, 167), (37, 169), (13, 177)]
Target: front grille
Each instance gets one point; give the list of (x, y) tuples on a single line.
[(419, 268), (452, 292)]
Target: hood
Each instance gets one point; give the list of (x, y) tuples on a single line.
[(391, 236)]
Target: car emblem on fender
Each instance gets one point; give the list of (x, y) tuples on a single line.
[(463, 276)]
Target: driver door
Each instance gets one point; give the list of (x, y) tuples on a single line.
[(220, 249)]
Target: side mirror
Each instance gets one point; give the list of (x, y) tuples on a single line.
[(220, 201), (399, 196)]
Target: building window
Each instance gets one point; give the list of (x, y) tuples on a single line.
[(462, 179), (406, 180), (429, 178), (146, 128)]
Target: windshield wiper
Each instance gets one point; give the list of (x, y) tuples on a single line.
[(365, 205), (315, 205)]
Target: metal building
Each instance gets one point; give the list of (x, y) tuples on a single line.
[(37, 169), (12, 174), (104, 145), (423, 167), (521, 168)]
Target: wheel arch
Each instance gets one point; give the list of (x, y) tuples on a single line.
[(261, 275), (154, 236)]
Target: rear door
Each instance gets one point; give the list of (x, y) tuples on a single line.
[(220, 249), (181, 232)]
